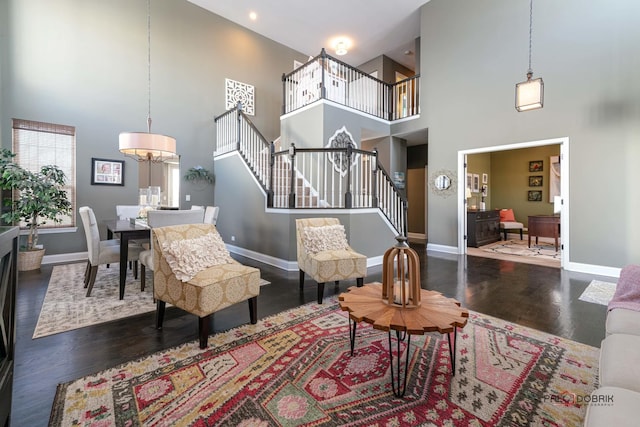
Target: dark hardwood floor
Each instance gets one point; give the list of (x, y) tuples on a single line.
[(540, 297)]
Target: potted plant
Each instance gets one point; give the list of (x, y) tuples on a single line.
[(199, 174), (41, 198)]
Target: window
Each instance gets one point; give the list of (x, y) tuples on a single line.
[(38, 144)]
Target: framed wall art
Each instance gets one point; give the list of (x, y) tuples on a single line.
[(535, 166), (535, 181), (534, 196), (485, 178), (107, 172), (476, 183)]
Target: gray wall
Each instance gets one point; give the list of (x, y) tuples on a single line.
[(84, 63), (245, 219), (473, 54)]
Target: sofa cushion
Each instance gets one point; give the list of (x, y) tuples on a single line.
[(623, 321), (324, 238), (620, 361), (187, 257), (612, 406)]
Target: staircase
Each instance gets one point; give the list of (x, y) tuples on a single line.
[(336, 178)]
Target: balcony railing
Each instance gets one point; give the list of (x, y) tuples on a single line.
[(299, 178), (325, 77)]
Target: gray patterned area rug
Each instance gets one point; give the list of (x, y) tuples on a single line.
[(598, 292), (66, 307)]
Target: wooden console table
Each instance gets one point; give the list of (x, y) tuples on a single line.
[(436, 313), (544, 226), (483, 227)]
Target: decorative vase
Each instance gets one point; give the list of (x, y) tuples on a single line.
[(30, 260)]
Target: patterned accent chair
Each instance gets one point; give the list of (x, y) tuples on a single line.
[(162, 218), (181, 276), (324, 254)]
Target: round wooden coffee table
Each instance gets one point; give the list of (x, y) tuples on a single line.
[(436, 313)]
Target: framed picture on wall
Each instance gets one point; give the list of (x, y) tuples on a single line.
[(535, 166), (470, 181), (107, 172), (485, 178), (535, 181), (534, 196), (476, 183)]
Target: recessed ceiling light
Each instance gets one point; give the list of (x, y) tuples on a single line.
[(253, 16)]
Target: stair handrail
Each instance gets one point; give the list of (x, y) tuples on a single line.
[(327, 77), (238, 133)]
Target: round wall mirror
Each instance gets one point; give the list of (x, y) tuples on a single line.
[(442, 182)]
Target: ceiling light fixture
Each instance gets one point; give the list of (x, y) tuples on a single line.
[(147, 146), (253, 16), (530, 93), (341, 48)]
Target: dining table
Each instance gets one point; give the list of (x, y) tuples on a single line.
[(128, 231)]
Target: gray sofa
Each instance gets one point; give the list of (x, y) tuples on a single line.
[(617, 401)]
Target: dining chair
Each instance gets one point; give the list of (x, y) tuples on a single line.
[(127, 211), (211, 214), (162, 218), (101, 251), (324, 253)]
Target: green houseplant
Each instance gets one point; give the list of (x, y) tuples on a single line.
[(199, 174), (41, 197)]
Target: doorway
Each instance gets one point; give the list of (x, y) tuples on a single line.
[(564, 189)]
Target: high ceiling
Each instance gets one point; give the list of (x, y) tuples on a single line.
[(375, 27)]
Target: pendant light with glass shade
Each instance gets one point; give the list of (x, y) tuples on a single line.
[(530, 93), (147, 146)]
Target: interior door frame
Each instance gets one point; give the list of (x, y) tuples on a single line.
[(564, 189)]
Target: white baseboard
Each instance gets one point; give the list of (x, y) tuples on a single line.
[(442, 248), (281, 263), (65, 258), (598, 270)]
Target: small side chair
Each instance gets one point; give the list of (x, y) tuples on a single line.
[(324, 253), (508, 222)]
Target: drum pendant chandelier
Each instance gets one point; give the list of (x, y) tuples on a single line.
[(147, 146)]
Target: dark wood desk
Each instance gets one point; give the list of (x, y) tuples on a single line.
[(127, 232), (544, 226)]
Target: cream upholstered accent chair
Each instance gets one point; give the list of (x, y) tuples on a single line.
[(508, 222), (194, 271), (101, 251), (324, 253), (162, 218)]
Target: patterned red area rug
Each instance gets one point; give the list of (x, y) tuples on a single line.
[(295, 369)]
